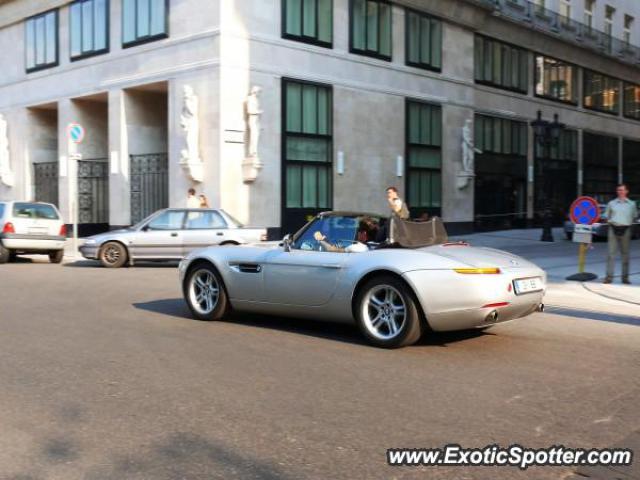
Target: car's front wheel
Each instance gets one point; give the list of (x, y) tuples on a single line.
[(113, 255), (388, 313), (205, 293), (56, 256)]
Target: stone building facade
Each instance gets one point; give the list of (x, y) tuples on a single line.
[(354, 96)]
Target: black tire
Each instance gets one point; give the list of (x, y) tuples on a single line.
[(5, 254), (56, 256), (197, 278), (568, 236), (113, 255), (412, 326), (12, 256)]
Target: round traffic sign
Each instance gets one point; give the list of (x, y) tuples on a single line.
[(75, 132), (584, 211)]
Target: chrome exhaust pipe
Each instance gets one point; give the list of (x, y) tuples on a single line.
[(540, 308), (492, 317)]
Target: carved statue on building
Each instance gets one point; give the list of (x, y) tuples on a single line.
[(251, 165), (467, 172), (190, 123), (6, 175)]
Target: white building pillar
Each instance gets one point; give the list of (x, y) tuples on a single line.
[(119, 180)]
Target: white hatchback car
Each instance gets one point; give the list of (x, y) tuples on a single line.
[(31, 227)]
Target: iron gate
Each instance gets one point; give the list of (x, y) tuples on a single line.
[(45, 177), (149, 184), (93, 191)]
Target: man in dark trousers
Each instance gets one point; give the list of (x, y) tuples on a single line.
[(621, 213)]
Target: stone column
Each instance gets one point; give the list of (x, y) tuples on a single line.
[(580, 161), (65, 167), (119, 181), (457, 204)]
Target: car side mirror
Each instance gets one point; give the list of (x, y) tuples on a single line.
[(286, 242)]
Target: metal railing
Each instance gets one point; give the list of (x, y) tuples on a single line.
[(565, 28)]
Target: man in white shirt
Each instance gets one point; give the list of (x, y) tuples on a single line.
[(621, 213), (192, 200)]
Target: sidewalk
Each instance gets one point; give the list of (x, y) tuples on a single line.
[(560, 259)]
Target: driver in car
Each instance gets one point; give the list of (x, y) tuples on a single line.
[(365, 232)]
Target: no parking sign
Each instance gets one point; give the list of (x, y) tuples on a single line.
[(76, 132), (584, 212)]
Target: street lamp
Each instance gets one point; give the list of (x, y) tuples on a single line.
[(547, 135)]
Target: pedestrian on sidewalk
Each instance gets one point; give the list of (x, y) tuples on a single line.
[(192, 200), (621, 213), (396, 204)]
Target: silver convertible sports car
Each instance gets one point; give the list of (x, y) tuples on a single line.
[(336, 268)]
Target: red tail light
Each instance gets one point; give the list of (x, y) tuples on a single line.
[(8, 228), (63, 230)]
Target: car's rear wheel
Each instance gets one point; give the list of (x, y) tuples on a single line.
[(113, 255), (205, 293), (5, 254), (568, 235), (56, 256), (388, 313)]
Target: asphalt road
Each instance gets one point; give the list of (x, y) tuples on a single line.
[(103, 375)]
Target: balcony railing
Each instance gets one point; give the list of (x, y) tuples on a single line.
[(551, 22)]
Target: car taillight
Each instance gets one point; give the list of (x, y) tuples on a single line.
[(264, 237), (63, 230), (8, 228)]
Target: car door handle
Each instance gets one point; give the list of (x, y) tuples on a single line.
[(174, 234), (220, 234), (331, 265)]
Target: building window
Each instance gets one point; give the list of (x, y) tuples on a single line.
[(501, 173), (609, 12), (631, 162), (600, 159), (424, 41), (308, 21), (556, 80), (601, 92), (501, 65), (565, 9), (540, 6), (632, 101), (424, 158), (371, 28), (41, 41), (307, 147), (89, 20), (143, 21), (628, 27), (589, 6)]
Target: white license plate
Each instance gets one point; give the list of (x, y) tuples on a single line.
[(527, 285), (38, 231)]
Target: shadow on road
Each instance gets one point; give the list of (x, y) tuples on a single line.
[(176, 307), (591, 315), (138, 265)]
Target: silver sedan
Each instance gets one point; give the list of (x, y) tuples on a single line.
[(169, 234), (334, 269)]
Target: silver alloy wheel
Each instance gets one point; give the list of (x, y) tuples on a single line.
[(384, 312), (111, 254), (204, 291)]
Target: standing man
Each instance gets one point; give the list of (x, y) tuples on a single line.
[(620, 213), (192, 200), (396, 204)]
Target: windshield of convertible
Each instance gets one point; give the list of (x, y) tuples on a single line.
[(340, 233)]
